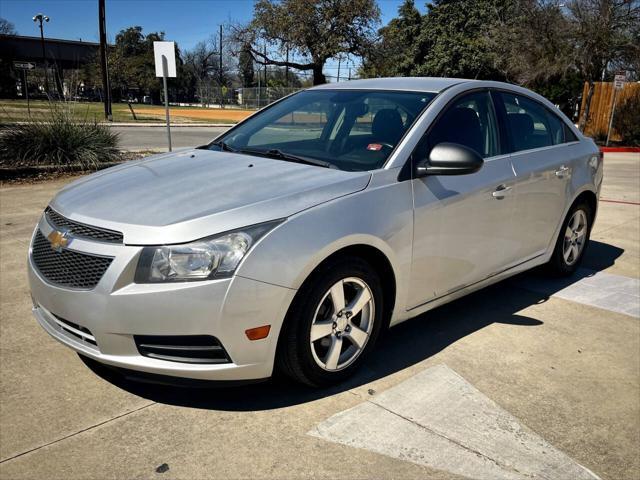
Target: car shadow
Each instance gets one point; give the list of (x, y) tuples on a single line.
[(402, 346)]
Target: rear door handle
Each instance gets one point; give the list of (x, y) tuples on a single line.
[(501, 191), (562, 172)]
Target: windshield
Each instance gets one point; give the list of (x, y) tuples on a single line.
[(345, 129)]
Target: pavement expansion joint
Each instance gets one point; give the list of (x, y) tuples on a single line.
[(439, 420)]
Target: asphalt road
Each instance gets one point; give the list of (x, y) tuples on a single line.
[(155, 138), (530, 378)]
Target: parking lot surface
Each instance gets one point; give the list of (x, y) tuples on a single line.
[(528, 377)]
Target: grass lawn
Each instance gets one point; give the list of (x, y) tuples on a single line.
[(16, 111)]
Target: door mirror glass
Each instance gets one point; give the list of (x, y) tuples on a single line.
[(450, 159)]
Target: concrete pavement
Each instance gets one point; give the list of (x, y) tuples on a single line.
[(564, 369)]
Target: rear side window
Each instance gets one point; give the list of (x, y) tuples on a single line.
[(556, 127), (528, 123), (569, 136)]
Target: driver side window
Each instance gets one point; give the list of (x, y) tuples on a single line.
[(469, 121)]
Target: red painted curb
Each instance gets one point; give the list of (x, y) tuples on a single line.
[(619, 201), (620, 149)]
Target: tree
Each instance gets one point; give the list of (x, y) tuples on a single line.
[(536, 51), (395, 53), (245, 67), (6, 27), (277, 77), (550, 46), (132, 65), (203, 61), (455, 38), (627, 120), (605, 33), (312, 31)]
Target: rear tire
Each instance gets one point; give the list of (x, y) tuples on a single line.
[(572, 241), (332, 324)]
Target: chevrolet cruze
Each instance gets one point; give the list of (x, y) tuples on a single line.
[(292, 241)]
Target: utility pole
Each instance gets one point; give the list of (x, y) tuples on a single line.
[(286, 69), (106, 90), (265, 64), (43, 18), (259, 95), (220, 66)]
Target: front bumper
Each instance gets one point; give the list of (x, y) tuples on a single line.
[(117, 309)]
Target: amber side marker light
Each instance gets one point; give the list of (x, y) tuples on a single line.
[(258, 333)]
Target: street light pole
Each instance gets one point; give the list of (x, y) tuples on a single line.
[(106, 89), (220, 71), (43, 18)]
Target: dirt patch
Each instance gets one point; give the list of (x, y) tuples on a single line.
[(211, 114)]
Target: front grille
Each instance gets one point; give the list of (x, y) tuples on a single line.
[(182, 348), (67, 268), (81, 230)]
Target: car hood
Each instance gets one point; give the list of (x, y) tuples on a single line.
[(183, 196)]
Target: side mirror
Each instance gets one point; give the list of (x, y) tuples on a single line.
[(450, 159)]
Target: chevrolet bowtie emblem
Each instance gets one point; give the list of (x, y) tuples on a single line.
[(59, 240)]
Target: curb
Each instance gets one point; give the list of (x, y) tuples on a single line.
[(8, 173), (620, 149), (157, 125), (173, 125)]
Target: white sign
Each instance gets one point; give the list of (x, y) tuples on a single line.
[(24, 65), (167, 50), (619, 80)]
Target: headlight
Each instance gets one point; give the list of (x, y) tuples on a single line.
[(213, 257)]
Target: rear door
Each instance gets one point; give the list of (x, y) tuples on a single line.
[(542, 162), (462, 223)]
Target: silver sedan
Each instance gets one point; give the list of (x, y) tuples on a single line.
[(294, 240)]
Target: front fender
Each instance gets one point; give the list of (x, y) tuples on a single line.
[(380, 217)]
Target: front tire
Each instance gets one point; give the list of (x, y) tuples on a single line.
[(332, 324), (572, 241)]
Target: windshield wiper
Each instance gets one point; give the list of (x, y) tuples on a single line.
[(223, 146), (279, 154)]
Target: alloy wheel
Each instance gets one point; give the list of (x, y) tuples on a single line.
[(342, 324), (575, 236)]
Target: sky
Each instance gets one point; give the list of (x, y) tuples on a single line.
[(184, 21)]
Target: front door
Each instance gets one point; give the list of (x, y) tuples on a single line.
[(462, 224)]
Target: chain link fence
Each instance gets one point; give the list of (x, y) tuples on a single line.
[(254, 98)]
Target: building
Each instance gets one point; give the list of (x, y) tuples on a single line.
[(60, 55)]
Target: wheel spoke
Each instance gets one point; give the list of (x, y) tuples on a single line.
[(575, 221), (357, 336), (358, 303), (337, 297), (568, 233), (333, 355), (567, 253), (576, 251), (321, 329)]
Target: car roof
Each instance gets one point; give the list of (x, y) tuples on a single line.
[(415, 84)]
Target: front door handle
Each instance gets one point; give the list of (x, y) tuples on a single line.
[(562, 172), (501, 191)]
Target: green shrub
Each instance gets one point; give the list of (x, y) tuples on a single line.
[(58, 139), (626, 121)]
